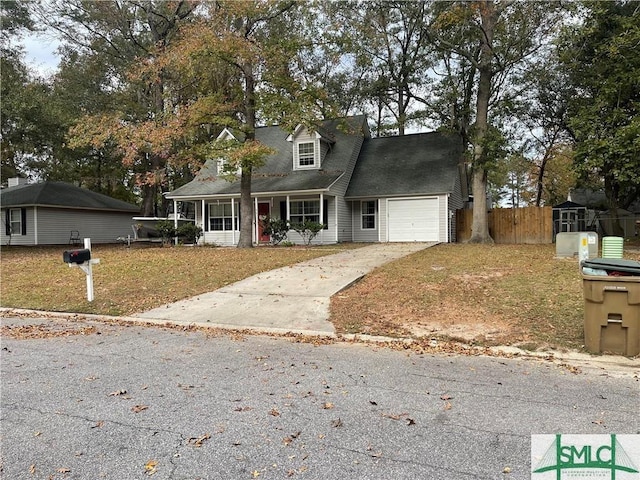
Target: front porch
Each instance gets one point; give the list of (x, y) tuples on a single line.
[(219, 217)]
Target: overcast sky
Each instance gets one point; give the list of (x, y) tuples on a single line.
[(40, 53)]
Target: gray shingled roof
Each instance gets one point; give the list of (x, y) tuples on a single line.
[(420, 164), (277, 175), (61, 194)]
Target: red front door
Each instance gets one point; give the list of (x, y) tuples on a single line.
[(263, 212)]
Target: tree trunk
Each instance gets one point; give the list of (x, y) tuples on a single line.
[(246, 205), (480, 224), (246, 209)]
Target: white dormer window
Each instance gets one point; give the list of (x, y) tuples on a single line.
[(226, 135), (306, 154), (221, 164), (306, 149)]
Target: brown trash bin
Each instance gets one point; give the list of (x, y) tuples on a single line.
[(612, 314)]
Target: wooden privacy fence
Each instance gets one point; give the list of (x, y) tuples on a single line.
[(511, 225)]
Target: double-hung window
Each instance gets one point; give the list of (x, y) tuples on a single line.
[(368, 211), (306, 154), (304, 211), (15, 221), (221, 218)]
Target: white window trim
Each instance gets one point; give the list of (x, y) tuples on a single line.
[(235, 220), (316, 155), (303, 215), (18, 231), (220, 163), (362, 215)]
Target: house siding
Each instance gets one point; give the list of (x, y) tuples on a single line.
[(339, 188), (52, 226), (456, 202), (55, 225), (360, 234), (18, 239), (345, 228)]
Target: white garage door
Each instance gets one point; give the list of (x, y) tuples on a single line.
[(413, 220)]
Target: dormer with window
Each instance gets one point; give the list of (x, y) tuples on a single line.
[(309, 148), (225, 136)]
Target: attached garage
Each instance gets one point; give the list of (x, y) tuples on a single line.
[(413, 220)]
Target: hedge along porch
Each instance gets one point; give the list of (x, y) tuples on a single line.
[(220, 222)]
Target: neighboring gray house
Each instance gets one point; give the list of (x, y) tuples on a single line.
[(388, 189), (47, 213)]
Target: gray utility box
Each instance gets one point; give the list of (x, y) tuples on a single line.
[(568, 244)]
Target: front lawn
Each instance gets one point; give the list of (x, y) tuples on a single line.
[(499, 294), (130, 280), (493, 294)]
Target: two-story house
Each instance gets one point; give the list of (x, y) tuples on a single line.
[(363, 189)]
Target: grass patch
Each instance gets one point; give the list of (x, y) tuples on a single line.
[(491, 294), (130, 280), (498, 294)]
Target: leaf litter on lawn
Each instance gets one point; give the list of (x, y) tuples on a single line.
[(484, 294)]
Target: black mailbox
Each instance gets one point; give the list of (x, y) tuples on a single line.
[(77, 256)]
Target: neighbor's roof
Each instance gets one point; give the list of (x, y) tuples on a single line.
[(423, 163), (277, 174), (62, 195)]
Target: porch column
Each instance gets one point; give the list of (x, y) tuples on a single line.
[(337, 220), (256, 220), (288, 219), (378, 221), (322, 217), (233, 221), (175, 219), (203, 216)]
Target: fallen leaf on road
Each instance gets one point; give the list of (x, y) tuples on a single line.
[(445, 397), (197, 442), (150, 467), (138, 408), (63, 470), (394, 416), (337, 423), (118, 393), (32, 469), (447, 406), (98, 424), (327, 405), (274, 412), (411, 421)]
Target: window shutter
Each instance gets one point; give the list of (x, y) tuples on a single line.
[(325, 214), (7, 222), (23, 215), (283, 210)]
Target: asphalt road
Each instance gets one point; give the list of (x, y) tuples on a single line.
[(129, 402)]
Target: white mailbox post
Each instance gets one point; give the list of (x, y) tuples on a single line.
[(82, 259)]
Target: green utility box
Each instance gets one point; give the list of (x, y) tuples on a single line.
[(612, 314)]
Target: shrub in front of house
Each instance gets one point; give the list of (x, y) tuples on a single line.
[(190, 231), (307, 230), (276, 228), (166, 229)]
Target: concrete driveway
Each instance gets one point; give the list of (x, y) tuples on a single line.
[(289, 299)]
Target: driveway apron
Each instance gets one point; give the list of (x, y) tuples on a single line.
[(289, 299)]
